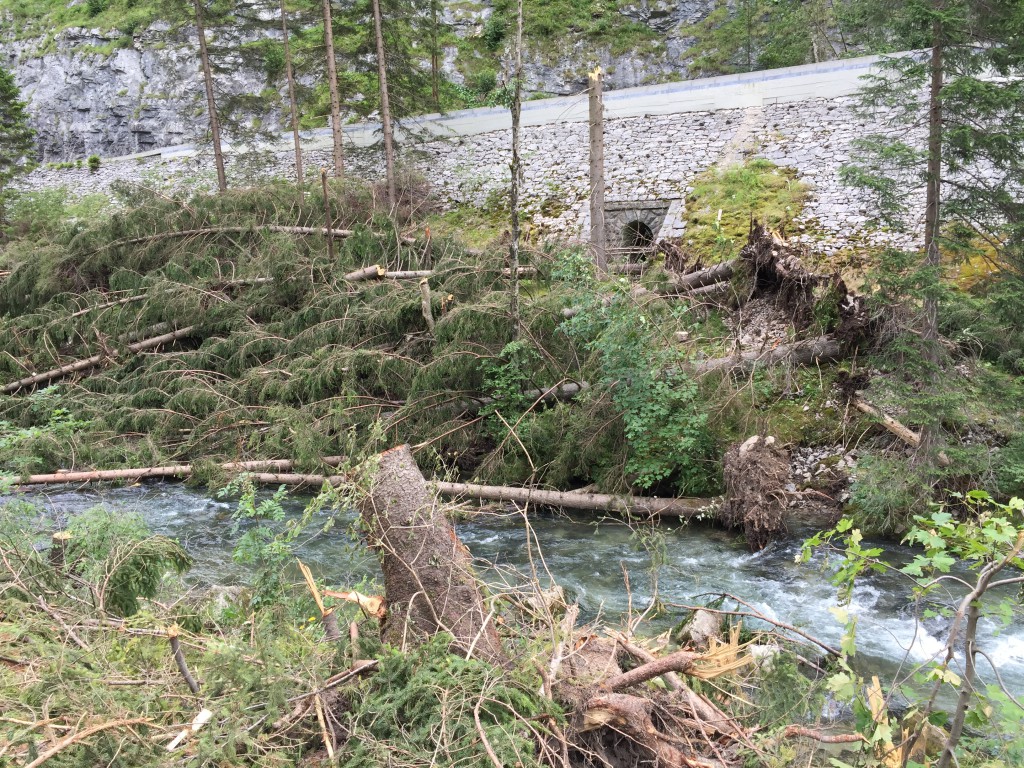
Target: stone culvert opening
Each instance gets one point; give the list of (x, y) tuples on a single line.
[(637, 234)]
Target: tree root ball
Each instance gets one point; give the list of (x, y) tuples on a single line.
[(756, 472)]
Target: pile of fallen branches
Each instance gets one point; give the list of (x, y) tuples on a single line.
[(499, 675)]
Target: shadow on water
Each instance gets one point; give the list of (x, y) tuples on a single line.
[(589, 557)]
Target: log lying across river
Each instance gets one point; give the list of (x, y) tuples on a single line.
[(275, 472)]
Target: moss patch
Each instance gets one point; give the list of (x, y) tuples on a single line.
[(724, 200)]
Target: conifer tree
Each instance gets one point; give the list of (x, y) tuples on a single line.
[(965, 92), (17, 139)]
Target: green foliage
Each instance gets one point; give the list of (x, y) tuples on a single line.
[(973, 551), (724, 200), (762, 34), (505, 380), (785, 694), (495, 29), (94, 163), (115, 551), (22, 446), (16, 137), (427, 700), (664, 423)]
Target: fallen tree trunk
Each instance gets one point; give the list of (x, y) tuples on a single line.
[(170, 471), (705, 277), (377, 272), (92, 362), (429, 582), (798, 353), (646, 506), (274, 472), (322, 231)]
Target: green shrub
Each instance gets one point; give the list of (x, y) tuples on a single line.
[(94, 163)]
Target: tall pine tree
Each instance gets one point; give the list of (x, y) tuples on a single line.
[(17, 139)]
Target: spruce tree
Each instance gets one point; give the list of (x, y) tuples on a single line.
[(965, 93), (17, 139)]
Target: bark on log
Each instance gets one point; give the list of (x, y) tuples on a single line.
[(408, 274), (92, 362), (904, 433), (372, 272), (706, 277), (645, 506), (798, 353), (170, 471), (321, 231), (429, 582)]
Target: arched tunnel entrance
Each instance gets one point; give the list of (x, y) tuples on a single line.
[(637, 235)]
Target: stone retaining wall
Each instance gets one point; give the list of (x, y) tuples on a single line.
[(647, 159)]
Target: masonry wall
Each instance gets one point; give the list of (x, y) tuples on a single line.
[(647, 158)]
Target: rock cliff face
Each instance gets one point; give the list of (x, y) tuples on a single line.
[(101, 92)]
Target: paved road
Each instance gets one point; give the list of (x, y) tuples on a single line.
[(810, 81)]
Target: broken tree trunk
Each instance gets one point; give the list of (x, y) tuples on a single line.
[(371, 272), (755, 474), (425, 308), (92, 362), (429, 580)]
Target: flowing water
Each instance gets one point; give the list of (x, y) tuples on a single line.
[(589, 560)]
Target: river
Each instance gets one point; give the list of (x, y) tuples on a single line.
[(589, 559)]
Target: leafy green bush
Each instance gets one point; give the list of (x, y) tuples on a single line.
[(664, 421), (495, 29), (94, 163)]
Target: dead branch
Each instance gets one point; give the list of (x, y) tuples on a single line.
[(825, 738), (680, 661), (66, 742), (904, 433), (179, 660)]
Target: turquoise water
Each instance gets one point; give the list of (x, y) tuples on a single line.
[(589, 558)]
